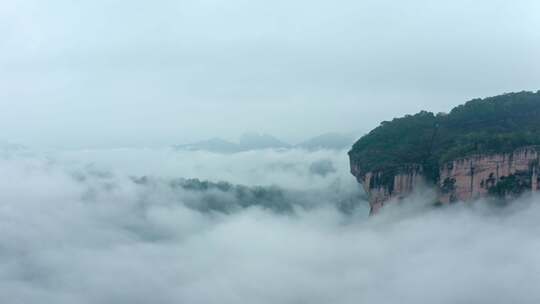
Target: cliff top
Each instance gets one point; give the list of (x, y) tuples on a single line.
[(480, 126)]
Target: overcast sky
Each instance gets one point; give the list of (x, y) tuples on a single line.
[(145, 73)]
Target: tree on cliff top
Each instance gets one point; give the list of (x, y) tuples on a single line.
[(491, 125)]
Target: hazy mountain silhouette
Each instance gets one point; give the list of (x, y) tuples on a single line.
[(212, 145), (255, 141), (247, 142), (332, 141)]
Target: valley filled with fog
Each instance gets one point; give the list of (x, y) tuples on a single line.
[(262, 226), (203, 152)]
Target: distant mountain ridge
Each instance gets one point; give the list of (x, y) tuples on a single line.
[(335, 141), (212, 145), (254, 141)]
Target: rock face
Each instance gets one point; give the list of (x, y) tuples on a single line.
[(503, 174), (473, 177), (382, 187)]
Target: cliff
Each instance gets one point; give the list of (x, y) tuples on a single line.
[(484, 147), (505, 175), (379, 190)]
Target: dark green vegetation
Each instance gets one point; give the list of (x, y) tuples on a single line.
[(491, 125), (224, 197), (512, 185)]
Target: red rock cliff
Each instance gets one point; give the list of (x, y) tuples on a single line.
[(472, 177), (398, 186), (459, 180)]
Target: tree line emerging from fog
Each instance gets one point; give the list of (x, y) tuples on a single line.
[(224, 197)]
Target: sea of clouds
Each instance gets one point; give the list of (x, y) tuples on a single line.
[(121, 226)]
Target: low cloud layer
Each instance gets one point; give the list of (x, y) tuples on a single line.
[(73, 233)]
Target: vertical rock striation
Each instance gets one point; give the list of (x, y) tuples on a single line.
[(383, 186), (503, 174), (475, 176)]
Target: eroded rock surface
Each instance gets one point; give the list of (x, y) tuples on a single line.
[(474, 177), (502, 174)]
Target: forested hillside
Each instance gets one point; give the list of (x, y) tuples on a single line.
[(491, 125)]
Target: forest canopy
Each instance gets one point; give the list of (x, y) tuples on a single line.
[(480, 126)]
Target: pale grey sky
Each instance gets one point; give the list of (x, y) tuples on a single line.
[(138, 73)]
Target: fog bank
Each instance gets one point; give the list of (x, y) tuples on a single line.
[(74, 233)]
